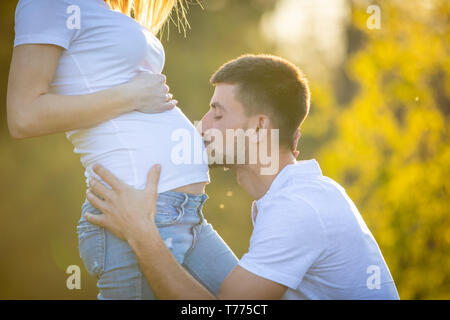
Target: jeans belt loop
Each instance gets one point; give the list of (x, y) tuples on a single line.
[(200, 207), (181, 210)]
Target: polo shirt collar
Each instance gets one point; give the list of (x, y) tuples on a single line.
[(303, 167)]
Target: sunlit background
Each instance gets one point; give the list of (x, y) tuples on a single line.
[(378, 126)]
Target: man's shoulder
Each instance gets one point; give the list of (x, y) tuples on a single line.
[(298, 189), (290, 204), (317, 195)]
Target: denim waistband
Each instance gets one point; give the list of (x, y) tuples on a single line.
[(172, 198), (187, 200)]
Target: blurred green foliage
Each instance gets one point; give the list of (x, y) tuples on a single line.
[(391, 144), (379, 128)]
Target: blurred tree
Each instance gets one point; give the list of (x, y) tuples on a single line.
[(391, 144)]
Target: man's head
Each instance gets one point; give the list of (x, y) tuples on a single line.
[(258, 92)]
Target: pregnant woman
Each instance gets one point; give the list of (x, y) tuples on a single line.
[(92, 69)]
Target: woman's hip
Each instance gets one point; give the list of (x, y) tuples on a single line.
[(113, 262)]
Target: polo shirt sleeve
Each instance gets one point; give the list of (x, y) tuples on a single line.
[(45, 22), (288, 238)]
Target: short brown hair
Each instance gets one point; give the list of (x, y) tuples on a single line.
[(271, 85)]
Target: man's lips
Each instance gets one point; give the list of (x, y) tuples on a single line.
[(207, 141)]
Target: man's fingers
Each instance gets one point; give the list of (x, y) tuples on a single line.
[(153, 180), (108, 177), (95, 201), (97, 219), (99, 188)]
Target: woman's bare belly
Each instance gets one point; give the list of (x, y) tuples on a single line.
[(195, 188)]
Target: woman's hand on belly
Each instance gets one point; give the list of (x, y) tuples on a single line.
[(150, 93)]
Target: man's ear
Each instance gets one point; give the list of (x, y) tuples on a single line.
[(257, 123), (263, 127), (263, 122)]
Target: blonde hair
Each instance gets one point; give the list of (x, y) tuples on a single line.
[(153, 14)]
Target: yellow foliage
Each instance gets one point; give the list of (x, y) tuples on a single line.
[(391, 149)]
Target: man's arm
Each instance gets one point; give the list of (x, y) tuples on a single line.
[(167, 278), (130, 213)]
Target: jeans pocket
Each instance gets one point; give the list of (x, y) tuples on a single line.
[(91, 244)]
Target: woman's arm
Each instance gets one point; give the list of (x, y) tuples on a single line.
[(33, 111)]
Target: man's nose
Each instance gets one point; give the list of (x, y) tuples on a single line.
[(199, 126), (204, 125)]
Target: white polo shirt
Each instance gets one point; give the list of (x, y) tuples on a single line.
[(309, 236)]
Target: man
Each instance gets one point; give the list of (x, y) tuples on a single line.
[(309, 240)]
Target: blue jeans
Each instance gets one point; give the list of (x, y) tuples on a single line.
[(191, 239)]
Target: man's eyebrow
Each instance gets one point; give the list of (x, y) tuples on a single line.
[(217, 105)]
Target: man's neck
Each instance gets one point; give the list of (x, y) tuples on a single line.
[(256, 184)]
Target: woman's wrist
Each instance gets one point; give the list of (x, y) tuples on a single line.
[(126, 97)]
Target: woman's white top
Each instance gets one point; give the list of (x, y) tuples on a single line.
[(103, 49)]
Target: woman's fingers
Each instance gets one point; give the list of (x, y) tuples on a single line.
[(170, 105), (164, 106), (150, 77)]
